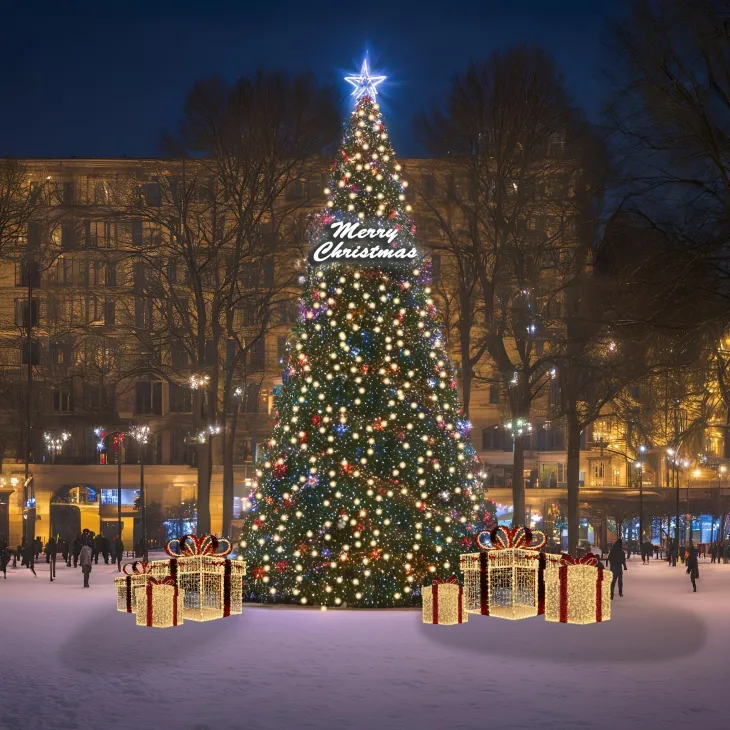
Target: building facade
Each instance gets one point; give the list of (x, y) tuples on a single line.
[(112, 298)]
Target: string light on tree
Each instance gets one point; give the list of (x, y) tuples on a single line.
[(369, 488)]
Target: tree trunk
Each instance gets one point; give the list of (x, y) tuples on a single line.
[(573, 475), (518, 482), (229, 437), (203, 489)]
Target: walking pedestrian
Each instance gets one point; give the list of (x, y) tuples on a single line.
[(85, 562), (29, 558), (96, 548), (646, 552), (693, 567), (65, 553), (105, 549), (5, 554), (617, 564), (38, 544), (77, 546)]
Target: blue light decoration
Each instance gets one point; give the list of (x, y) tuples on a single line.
[(365, 84)]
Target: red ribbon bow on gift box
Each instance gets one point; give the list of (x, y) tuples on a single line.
[(167, 581), (587, 559), (138, 567), (439, 581), (189, 545), (503, 538)]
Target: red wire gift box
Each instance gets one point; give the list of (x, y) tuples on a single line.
[(507, 578), (212, 584), (443, 602), (578, 592), (159, 603)]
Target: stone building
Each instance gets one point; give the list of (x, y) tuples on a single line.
[(104, 354)]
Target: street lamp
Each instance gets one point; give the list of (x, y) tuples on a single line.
[(141, 435), (640, 466), (55, 442), (720, 476)]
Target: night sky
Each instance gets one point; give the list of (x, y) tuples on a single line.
[(105, 79)]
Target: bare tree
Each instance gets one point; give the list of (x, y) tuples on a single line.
[(508, 130)]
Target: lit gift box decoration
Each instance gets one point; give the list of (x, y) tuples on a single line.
[(213, 585), (443, 602), (507, 579), (578, 592), (159, 603), (135, 576)]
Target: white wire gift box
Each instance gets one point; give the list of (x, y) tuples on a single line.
[(212, 584), (159, 603), (578, 592), (507, 578), (443, 602), (135, 576)]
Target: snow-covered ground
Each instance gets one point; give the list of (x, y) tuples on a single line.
[(68, 660)]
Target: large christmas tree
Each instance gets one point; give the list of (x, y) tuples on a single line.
[(369, 489)]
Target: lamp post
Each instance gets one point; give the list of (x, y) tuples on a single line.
[(213, 429), (640, 466), (721, 474), (55, 442), (141, 435), (672, 457)]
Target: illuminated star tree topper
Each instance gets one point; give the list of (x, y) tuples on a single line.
[(365, 84)]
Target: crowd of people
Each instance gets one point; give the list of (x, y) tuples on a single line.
[(85, 550)]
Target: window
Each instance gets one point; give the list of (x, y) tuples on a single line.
[(109, 312), (251, 398), (247, 315), (179, 355), (295, 190), (21, 312), (64, 271), (494, 394), (101, 192), (135, 232), (67, 193), (257, 354), (181, 451), (148, 397), (61, 401), (555, 394), (177, 273), (315, 188), (151, 235), (35, 353), (181, 399), (94, 310), (99, 234), (281, 348), (152, 194), (68, 235), (34, 234), (139, 276), (494, 438), (251, 274), (142, 312), (25, 268), (110, 274), (61, 354)]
